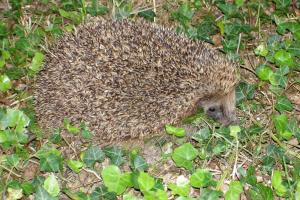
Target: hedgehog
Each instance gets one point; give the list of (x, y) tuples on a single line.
[(127, 79)]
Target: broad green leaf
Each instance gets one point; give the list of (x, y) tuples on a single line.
[(234, 130), (116, 155), (277, 183), (202, 134), (208, 194), (261, 192), (70, 128), (5, 83), (27, 188), (184, 155), (182, 186), (137, 162), (42, 194), (235, 190), (172, 130), (130, 197), (37, 62), (51, 185), (92, 155), (113, 179), (283, 103), (51, 163), (281, 123), (76, 195), (75, 165), (244, 91), (157, 195), (202, 178), (283, 58), (264, 72), (96, 9), (145, 181), (103, 194), (261, 50)]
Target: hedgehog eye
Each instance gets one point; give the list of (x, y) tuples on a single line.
[(212, 109)]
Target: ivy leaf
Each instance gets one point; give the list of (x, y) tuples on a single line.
[(114, 180), (283, 103), (5, 83), (244, 91), (37, 62), (261, 50), (137, 162), (264, 72), (234, 191), (42, 194), (75, 165), (51, 185), (281, 122), (145, 181), (148, 15), (184, 155), (70, 128), (202, 178), (282, 4), (92, 155), (277, 183), (102, 193), (96, 9), (116, 155), (283, 58), (208, 194), (182, 186), (178, 132), (51, 163)]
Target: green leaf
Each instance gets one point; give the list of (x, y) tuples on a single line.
[(148, 15), (182, 186), (281, 122), (5, 83), (76, 195), (239, 3), (297, 192), (202, 178), (102, 193), (86, 133), (234, 130), (130, 197), (184, 155), (42, 194), (51, 185), (27, 188), (283, 103), (261, 192), (137, 162), (92, 155), (261, 50), (282, 4), (277, 183), (244, 91), (70, 128), (96, 9), (14, 194), (283, 58), (75, 165), (202, 134), (234, 191), (208, 194), (51, 163), (116, 155), (264, 72), (113, 179), (145, 181), (172, 130), (37, 62)]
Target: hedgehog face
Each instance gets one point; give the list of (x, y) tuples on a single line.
[(220, 108)]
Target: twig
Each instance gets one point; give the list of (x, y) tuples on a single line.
[(93, 172)]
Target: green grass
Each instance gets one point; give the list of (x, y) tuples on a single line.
[(258, 159)]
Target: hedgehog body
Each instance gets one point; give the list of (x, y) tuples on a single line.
[(128, 79)]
